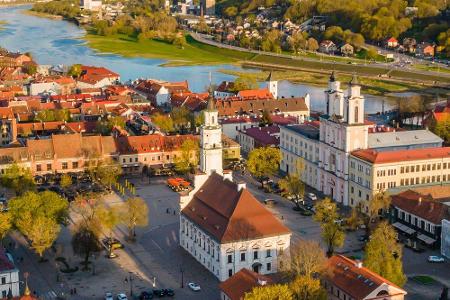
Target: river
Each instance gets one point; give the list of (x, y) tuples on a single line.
[(60, 42)]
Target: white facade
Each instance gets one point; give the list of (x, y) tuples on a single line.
[(94, 5), (224, 260), (39, 88), (445, 238), (99, 84), (211, 143), (9, 280)]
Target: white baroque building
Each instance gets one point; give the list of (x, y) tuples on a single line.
[(222, 225), (9, 276)]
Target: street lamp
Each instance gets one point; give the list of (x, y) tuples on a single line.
[(182, 276), (130, 280)]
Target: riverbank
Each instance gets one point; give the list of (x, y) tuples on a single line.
[(377, 87), (2, 25), (41, 14), (193, 53)]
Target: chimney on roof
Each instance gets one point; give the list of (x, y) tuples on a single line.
[(358, 264), (262, 282), (241, 186)]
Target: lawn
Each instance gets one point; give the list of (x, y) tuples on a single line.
[(422, 279), (433, 68), (194, 53)]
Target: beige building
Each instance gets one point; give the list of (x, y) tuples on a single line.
[(372, 171)]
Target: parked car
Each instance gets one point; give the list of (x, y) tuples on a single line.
[(312, 196), (194, 286), (122, 296), (145, 296), (168, 292), (158, 293), (109, 296), (112, 243), (270, 202), (435, 259)]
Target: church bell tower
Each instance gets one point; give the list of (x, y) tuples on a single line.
[(211, 141)]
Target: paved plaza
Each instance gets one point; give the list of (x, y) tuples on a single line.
[(157, 258)]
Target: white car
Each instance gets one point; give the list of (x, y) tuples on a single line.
[(122, 296), (312, 196), (109, 296), (435, 259), (193, 286)]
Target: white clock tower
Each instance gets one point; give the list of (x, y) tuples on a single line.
[(211, 141)]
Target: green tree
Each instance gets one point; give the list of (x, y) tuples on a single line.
[(271, 41), (231, 11), (264, 161), (332, 233), (442, 129), (270, 292), (43, 234), (107, 171), (18, 179), (298, 41), (245, 82), (134, 213), (75, 70), (31, 69), (105, 127), (109, 218), (66, 181), (180, 41), (88, 209), (379, 202), (188, 157), (5, 224), (293, 186), (384, 254), (164, 122), (306, 287), (85, 241), (266, 119), (334, 33)]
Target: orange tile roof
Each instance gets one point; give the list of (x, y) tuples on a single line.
[(243, 282), (231, 215), (228, 107), (93, 75), (383, 157), (357, 282), (259, 94), (150, 143)]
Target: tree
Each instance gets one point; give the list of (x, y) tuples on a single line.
[(164, 122), (180, 41), (306, 287), (442, 129), (88, 208), (75, 70), (18, 178), (266, 119), (105, 127), (5, 224), (43, 233), (271, 41), (264, 161), (134, 213), (188, 157), (294, 187), (231, 11), (109, 218), (31, 69), (66, 181), (313, 45), (306, 258), (327, 216), (384, 254), (269, 292), (245, 82), (298, 41), (84, 242), (107, 171), (354, 220), (379, 202)]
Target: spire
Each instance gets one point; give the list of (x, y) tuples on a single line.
[(332, 77), (354, 80), (211, 104), (269, 78)]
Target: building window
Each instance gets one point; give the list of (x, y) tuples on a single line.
[(269, 266), (75, 165), (255, 254), (230, 258), (64, 166), (268, 253), (230, 272), (123, 160), (49, 167), (242, 256), (38, 169)]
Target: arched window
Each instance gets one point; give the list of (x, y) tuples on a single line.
[(212, 120), (356, 114)]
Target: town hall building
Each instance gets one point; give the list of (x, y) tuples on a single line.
[(222, 225)]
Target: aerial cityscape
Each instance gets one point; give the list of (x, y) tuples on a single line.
[(225, 149)]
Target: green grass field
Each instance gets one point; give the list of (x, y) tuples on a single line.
[(425, 280), (194, 53)]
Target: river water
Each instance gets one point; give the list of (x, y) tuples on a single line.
[(60, 42)]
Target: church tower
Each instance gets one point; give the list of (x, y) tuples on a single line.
[(211, 141), (354, 103), (334, 97), (272, 85)]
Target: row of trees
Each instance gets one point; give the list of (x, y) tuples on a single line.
[(180, 119)]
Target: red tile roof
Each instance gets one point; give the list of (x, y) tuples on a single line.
[(243, 282), (150, 143), (231, 215), (383, 157), (255, 94), (356, 281), (423, 206), (93, 75), (227, 107), (264, 136)]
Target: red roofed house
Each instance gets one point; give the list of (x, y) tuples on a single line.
[(392, 42), (256, 137), (348, 279), (420, 215), (159, 92), (222, 225), (9, 275), (327, 46), (261, 94), (96, 77), (235, 287)]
